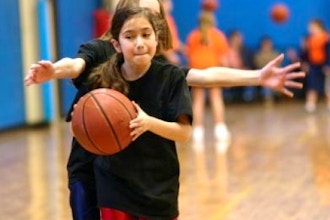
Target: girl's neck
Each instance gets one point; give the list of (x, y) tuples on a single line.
[(131, 73)]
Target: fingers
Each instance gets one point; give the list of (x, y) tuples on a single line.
[(137, 125), (137, 107), (287, 92), (278, 60), (293, 84), (45, 63), (136, 132), (34, 66), (291, 67), (28, 82), (295, 75), (29, 78), (134, 135)]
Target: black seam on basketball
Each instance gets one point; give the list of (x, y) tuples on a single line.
[(109, 122), (85, 127), (123, 105), (128, 112)]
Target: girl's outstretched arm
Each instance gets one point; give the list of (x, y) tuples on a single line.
[(44, 70), (271, 76)]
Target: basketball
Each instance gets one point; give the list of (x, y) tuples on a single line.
[(100, 121), (210, 5), (279, 13)]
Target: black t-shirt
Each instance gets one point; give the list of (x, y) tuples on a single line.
[(144, 178)]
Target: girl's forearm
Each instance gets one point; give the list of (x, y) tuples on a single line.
[(68, 68), (223, 77), (179, 132)]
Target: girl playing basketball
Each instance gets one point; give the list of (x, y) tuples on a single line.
[(142, 181)]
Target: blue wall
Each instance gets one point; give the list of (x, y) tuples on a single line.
[(11, 83), (74, 24)]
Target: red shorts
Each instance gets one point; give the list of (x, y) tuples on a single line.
[(113, 214)]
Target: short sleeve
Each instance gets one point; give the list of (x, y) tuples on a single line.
[(93, 53), (185, 70)]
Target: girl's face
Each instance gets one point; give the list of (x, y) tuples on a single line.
[(311, 28), (137, 41), (153, 5), (267, 45), (314, 28)]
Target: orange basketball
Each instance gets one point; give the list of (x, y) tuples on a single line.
[(100, 121), (210, 5), (279, 13)]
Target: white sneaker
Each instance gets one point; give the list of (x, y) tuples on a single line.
[(222, 146), (221, 132), (198, 133)]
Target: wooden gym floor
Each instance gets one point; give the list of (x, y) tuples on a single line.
[(277, 167)]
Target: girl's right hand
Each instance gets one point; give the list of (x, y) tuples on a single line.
[(40, 72)]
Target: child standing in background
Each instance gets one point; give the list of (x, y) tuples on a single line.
[(240, 57), (317, 43), (207, 46), (265, 53)]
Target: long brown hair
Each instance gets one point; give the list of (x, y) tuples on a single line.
[(108, 74), (206, 20), (165, 39)]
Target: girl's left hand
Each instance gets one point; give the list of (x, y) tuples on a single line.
[(281, 78), (140, 124)]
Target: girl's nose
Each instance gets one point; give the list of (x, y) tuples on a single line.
[(139, 42)]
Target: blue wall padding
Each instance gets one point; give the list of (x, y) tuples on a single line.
[(45, 53), (12, 112)]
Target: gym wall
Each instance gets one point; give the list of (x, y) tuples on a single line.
[(52, 29)]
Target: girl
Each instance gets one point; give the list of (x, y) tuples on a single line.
[(207, 46), (142, 182)]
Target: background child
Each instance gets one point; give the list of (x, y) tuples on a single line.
[(317, 59), (207, 46), (265, 53)]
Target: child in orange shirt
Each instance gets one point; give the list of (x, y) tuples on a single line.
[(317, 43), (207, 46)]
